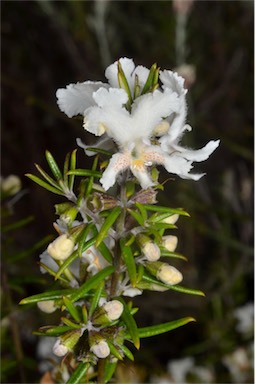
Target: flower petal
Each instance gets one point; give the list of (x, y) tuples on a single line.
[(104, 142), (173, 81), (200, 154), (143, 177), (111, 98), (118, 163), (75, 98)]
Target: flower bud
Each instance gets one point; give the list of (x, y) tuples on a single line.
[(47, 306), (150, 250), (164, 272), (66, 342), (101, 202), (109, 311), (59, 349), (145, 196), (172, 219), (61, 248), (62, 208), (170, 242), (98, 345), (169, 275), (11, 185), (161, 129), (69, 215)]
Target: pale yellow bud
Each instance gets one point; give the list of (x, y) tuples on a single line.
[(169, 275), (172, 219), (47, 306), (61, 248), (59, 349), (170, 242), (113, 309), (101, 349), (161, 129), (11, 184), (151, 251)]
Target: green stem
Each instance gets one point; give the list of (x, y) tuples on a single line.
[(120, 227)]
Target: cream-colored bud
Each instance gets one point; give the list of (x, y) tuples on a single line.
[(113, 309), (11, 184), (169, 275), (161, 129), (151, 251), (61, 248), (101, 349), (59, 349), (172, 219), (170, 242), (47, 306)]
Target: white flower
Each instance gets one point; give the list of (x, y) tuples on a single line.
[(61, 248), (146, 127), (95, 260)]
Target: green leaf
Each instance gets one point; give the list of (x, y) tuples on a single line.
[(66, 168), (158, 208), (165, 253), (72, 167), (83, 237), (72, 309), (91, 283), (70, 323), (108, 223), (176, 288), (158, 217), (96, 298), (127, 352), (137, 217), (85, 172), (99, 150), (47, 177), (106, 253), (130, 324), (123, 83), (114, 351), (162, 328), (51, 295), (149, 82), (91, 179), (53, 166), (78, 376), (42, 183), (52, 273), (142, 210), (129, 261), (66, 263), (110, 368), (56, 331)]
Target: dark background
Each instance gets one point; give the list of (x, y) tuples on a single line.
[(49, 44)]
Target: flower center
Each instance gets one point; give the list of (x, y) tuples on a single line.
[(138, 164)]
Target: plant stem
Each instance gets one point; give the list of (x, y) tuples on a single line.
[(120, 227), (101, 371)]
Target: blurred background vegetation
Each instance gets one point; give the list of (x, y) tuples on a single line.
[(49, 44)]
